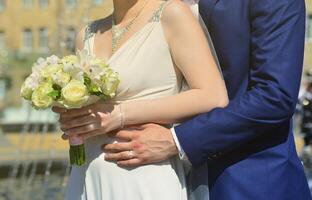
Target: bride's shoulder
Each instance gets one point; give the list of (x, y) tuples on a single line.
[(92, 28), (176, 11), (177, 16)]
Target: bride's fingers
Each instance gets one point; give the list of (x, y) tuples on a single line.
[(65, 137), (91, 134), (130, 163), (76, 122), (82, 130), (58, 110), (84, 136), (73, 113)]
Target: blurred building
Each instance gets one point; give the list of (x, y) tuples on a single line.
[(33, 28), (45, 26), (308, 48)]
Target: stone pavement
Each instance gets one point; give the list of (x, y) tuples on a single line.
[(34, 147), (46, 153)]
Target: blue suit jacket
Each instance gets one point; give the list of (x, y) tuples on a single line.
[(249, 145)]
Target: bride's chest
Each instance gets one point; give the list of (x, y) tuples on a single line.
[(146, 68)]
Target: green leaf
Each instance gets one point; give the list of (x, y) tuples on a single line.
[(87, 80), (93, 89), (55, 94), (56, 87)]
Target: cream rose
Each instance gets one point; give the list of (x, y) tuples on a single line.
[(29, 85), (110, 82), (61, 78), (72, 59), (50, 70), (40, 98), (74, 94), (26, 92)]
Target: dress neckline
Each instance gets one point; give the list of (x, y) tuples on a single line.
[(125, 44), (154, 18)]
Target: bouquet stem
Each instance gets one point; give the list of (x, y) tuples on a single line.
[(77, 155)]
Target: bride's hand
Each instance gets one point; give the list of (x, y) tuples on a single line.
[(93, 120)]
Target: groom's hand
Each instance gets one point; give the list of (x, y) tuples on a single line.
[(145, 144)]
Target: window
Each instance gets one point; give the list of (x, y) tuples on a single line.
[(43, 3), (5, 84), (27, 3), (2, 40), (27, 39), (2, 5), (2, 89), (97, 2), (71, 3), (43, 38), (70, 39), (309, 27)]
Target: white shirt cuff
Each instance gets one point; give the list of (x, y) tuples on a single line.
[(182, 154)]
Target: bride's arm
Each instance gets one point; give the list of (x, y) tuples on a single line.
[(192, 55)]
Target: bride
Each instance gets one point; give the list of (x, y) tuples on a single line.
[(155, 46)]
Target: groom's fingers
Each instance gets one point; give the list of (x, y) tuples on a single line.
[(125, 134), (130, 163), (117, 147), (124, 155)]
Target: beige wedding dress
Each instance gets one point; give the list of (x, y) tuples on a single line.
[(146, 71)]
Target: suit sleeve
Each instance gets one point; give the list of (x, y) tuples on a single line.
[(277, 45)]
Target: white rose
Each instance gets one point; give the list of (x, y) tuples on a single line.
[(40, 98), (53, 60), (110, 82), (26, 92), (51, 70), (61, 78), (74, 94)]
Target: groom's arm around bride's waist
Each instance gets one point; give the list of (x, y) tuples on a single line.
[(277, 45)]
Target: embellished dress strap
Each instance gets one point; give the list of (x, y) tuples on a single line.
[(88, 39), (158, 13)]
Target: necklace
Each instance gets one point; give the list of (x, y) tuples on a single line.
[(119, 32)]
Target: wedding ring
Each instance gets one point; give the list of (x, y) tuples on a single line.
[(130, 154), (91, 127)]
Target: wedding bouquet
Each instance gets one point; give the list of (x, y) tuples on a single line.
[(70, 82)]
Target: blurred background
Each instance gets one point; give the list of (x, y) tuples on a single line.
[(33, 158)]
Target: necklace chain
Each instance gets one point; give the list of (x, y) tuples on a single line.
[(119, 32)]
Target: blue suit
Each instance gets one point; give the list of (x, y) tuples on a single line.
[(249, 145)]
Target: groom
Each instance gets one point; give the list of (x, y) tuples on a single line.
[(249, 145)]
